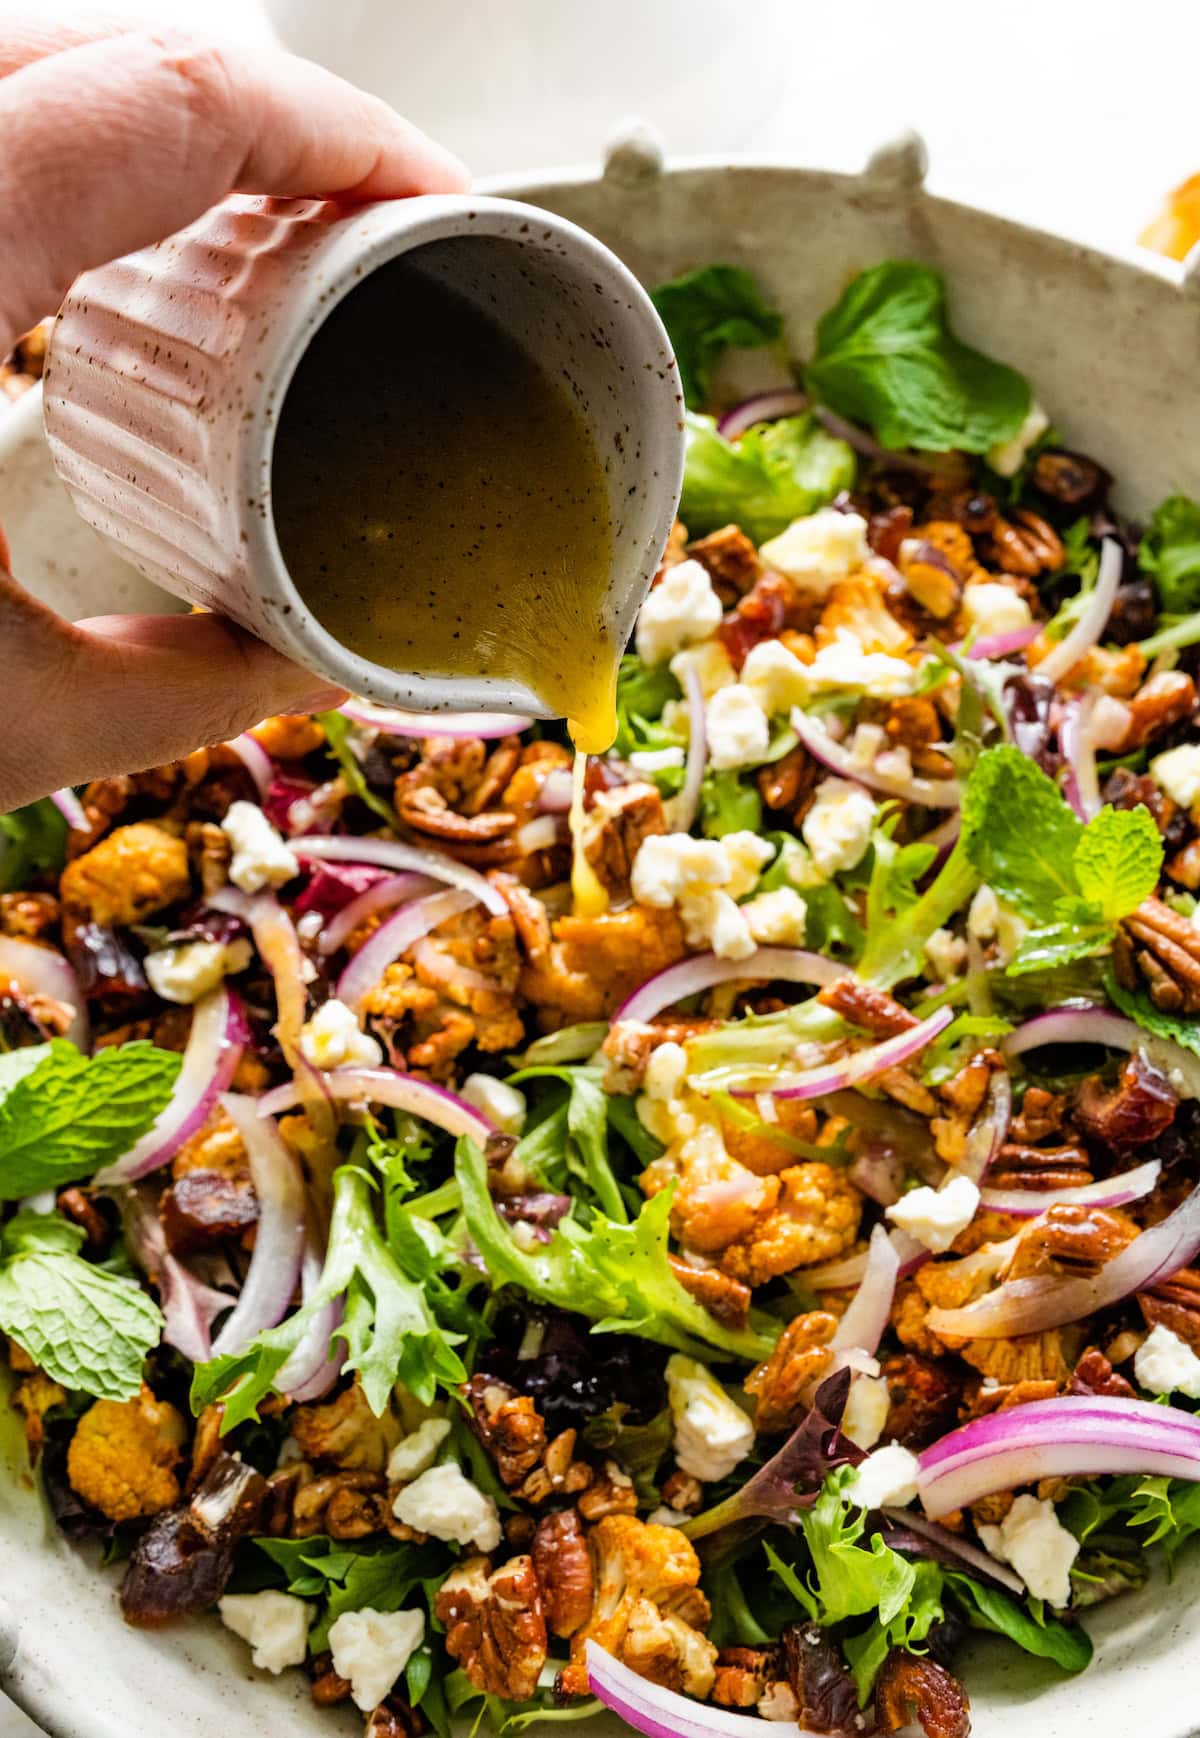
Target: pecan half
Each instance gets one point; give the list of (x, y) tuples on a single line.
[(871, 1009), (564, 1571), (910, 1687), (508, 1425), (1165, 700), (560, 1474), (1025, 545), (800, 1357), (788, 784), (1019, 1166), (743, 1674), (1175, 1304), (495, 1625), (726, 1300), (1071, 1239), (1166, 952), (1093, 1374), (611, 1492)]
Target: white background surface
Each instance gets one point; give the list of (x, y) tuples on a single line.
[(1073, 114)]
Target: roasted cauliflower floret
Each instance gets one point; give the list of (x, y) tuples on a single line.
[(215, 1146), (346, 1434), (815, 1219), (127, 877), (495, 1626), (647, 1607), (289, 735), (33, 1397), (123, 1455), (585, 966)]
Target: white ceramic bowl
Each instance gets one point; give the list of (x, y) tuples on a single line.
[(1113, 345)]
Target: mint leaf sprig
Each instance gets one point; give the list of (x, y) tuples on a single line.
[(63, 1115), (85, 1327), (1074, 882)]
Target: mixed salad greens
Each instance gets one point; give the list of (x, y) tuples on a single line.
[(716, 1297)]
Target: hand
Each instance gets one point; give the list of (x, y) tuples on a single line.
[(113, 138)]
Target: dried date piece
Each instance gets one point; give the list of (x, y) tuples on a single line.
[(824, 1689), (181, 1564), (910, 1687), (1140, 1107), (203, 1208), (1069, 479), (1093, 1374)]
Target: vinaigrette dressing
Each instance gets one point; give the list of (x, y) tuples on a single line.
[(441, 505)]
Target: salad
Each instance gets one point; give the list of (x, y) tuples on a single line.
[(701, 1256)]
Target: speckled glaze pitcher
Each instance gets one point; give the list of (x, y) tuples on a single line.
[(168, 369)]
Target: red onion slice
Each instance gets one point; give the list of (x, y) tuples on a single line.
[(661, 1713), (1087, 1023), (1033, 1305), (763, 407), (849, 1070), (931, 793), (1110, 1192), (1087, 630), (394, 890), (863, 1324), (42, 971), (1003, 645), (395, 937), (214, 1048), (279, 1242), (850, 1269), (70, 808), (391, 722), (792, 965), (390, 854), (1077, 1436), (682, 809), (256, 761), (1081, 786), (388, 1086), (315, 1364), (868, 446), (189, 1306)]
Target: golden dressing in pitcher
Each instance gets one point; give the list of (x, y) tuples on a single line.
[(440, 503)]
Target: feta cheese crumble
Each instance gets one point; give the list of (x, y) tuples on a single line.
[(711, 664), (371, 1648), (1007, 458), (888, 1476), (500, 1103), (665, 1072), (837, 828), (703, 878), (1034, 1541), (416, 1453), (712, 1433), (736, 727), (185, 973), (1178, 773), (681, 609), (867, 1406), (936, 1216), (946, 954), (274, 1624), (777, 919), (444, 1502), (818, 551), (332, 1039), (260, 856), (993, 608), (1164, 1364), (775, 676)]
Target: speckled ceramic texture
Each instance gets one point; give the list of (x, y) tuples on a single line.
[(1114, 346), (167, 371)]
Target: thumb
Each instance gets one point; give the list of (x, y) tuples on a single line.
[(120, 693)]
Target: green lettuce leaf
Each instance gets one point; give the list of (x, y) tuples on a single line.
[(33, 842), (378, 1576), (88, 1329), (728, 804), (775, 473), (389, 1327), (643, 690), (618, 1275), (847, 1577), (988, 1608), (1170, 553), (582, 1137), (886, 356), (637, 1448), (63, 1115), (707, 312), (908, 1629)]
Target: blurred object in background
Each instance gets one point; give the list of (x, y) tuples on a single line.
[(23, 368), (531, 83), (1176, 229)]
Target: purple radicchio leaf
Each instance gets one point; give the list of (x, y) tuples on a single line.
[(791, 1480)]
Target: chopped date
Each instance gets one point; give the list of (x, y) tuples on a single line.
[(183, 1561), (203, 1208)]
